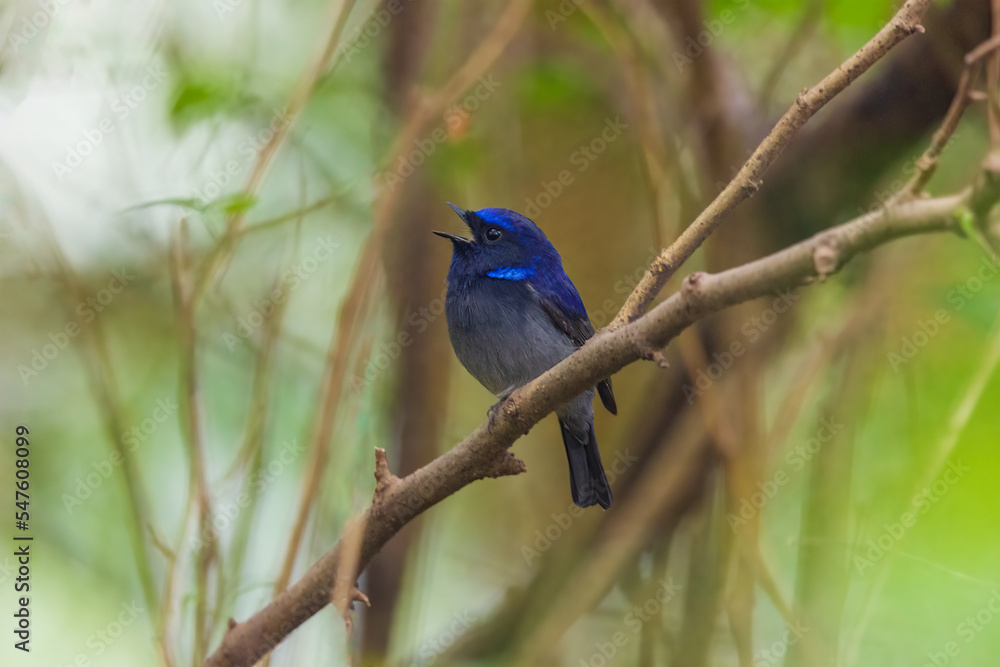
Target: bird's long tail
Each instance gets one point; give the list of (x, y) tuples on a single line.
[(586, 473)]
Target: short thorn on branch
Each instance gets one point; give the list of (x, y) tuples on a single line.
[(908, 27), (506, 464), (650, 352), (384, 479)]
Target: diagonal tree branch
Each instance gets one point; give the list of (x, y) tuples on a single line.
[(484, 453), (748, 180)]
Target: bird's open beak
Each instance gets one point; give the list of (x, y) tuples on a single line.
[(453, 237), (463, 214)]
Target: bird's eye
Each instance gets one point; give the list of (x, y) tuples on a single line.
[(493, 234)]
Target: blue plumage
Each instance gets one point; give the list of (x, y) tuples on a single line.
[(512, 273), (513, 313)]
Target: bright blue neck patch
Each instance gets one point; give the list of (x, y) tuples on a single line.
[(512, 273)]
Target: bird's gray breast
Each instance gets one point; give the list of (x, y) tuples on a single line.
[(501, 334)]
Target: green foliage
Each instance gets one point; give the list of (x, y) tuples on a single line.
[(200, 95), (555, 85)]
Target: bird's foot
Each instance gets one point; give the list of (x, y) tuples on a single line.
[(494, 410), (492, 414), (354, 596)]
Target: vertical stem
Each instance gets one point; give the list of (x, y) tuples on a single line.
[(190, 399), (823, 577), (706, 581)]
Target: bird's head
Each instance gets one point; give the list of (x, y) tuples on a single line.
[(504, 244)]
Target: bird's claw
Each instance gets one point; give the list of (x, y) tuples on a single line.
[(492, 414), (354, 596)]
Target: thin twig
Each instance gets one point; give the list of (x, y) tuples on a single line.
[(928, 162), (655, 169), (762, 573), (104, 384), (198, 494), (250, 456), (293, 216)]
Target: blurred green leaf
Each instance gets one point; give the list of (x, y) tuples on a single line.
[(189, 203), (553, 84), (234, 203), (202, 95), (873, 13)]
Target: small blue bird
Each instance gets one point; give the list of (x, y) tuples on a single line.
[(513, 313)]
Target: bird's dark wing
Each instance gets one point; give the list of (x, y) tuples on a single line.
[(607, 395), (577, 327)]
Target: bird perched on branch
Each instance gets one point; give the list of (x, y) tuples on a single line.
[(513, 313)]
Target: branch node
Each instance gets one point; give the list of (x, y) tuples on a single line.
[(384, 479), (691, 288), (510, 407), (826, 259)]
